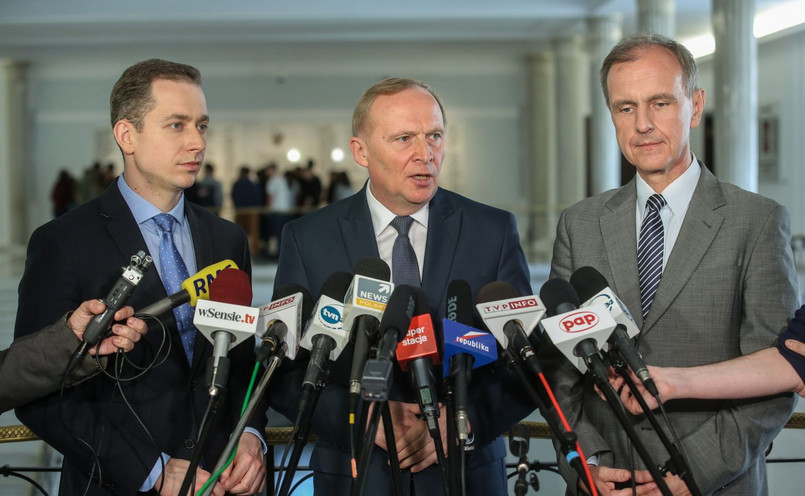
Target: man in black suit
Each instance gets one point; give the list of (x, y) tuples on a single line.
[(142, 431), (399, 137)]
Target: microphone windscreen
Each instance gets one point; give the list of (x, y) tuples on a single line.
[(336, 285), (588, 282), (556, 293), (400, 309), (459, 302), (373, 267), (231, 286), (497, 290)]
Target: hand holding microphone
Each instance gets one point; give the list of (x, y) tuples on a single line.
[(126, 334)]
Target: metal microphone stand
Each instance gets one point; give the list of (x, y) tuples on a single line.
[(677, 464), (273, 362)]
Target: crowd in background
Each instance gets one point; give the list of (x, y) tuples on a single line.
[(264, 200)]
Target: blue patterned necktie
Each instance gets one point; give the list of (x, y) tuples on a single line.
[(650, 251), (174, 272), (403, 259)]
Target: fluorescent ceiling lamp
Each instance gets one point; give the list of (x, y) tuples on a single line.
[(768, 22), (778, 18)]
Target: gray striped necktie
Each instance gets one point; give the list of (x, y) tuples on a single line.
[(650, 251), (404, 266)]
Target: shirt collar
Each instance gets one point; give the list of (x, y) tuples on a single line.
[(677, 194), (382, 216), (142, 209)]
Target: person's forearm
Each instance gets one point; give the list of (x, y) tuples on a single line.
[(762, 373)]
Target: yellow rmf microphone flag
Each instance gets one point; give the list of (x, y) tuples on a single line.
[(198, 285)]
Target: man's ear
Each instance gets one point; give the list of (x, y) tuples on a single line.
[(125, 135), (359, 152), (697, 104)]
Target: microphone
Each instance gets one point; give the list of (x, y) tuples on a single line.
[(511, 318), (324, 335), (282, 320), (365, 301), (194, 288), (576, 332), (465, 348), (418, 351), (376, 379), (593, 287), (225, 320), (114, 301)]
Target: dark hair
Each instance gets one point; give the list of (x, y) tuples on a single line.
[(388, 86), (131, 96), (626, 51)]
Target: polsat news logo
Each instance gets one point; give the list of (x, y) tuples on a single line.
[(580, 321), (228, 316), (507, 306)]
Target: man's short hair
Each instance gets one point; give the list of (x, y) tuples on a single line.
[(627, 51), (388, 86), (131, 96)]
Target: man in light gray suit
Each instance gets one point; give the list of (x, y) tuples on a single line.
[(716, 280)]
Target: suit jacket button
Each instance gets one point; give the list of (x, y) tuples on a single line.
[(189, 444)]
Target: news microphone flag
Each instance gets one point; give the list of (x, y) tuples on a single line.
[(287, 310), (528, 310), (568, 329), (460, 338)]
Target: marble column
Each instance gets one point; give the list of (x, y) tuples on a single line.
[(735, 115), (544, 211), (14, 128), (605, 156), (571, 94), (656, 16)]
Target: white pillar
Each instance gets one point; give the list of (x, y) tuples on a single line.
[(13, 157), (571, 91), (735, 118), (543, 215), (656, 16), (605, 156)]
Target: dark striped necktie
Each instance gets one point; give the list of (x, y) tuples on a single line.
[(650, 251)]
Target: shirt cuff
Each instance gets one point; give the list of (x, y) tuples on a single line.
[(153, 477), (259, 436)]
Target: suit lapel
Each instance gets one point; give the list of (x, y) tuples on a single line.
[(357, 231), (444, 223), (619, 235), (125, 233), (699, 228)]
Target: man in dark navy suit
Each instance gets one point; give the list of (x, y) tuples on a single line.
[(143, 431), (399, 137)]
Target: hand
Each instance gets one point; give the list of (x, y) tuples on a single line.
[(247, 474), (606, 478), (676, 485), (415, 448), (172, 477), (664, 379), (125, 335)]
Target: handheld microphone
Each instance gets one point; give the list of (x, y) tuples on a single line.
[(225, 320), (364, 304), (465, 348), (593, 287), (281, 320), (511, 318), (578, 333), (417, 352), (114, 301), (376, 380), (194, 288)]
